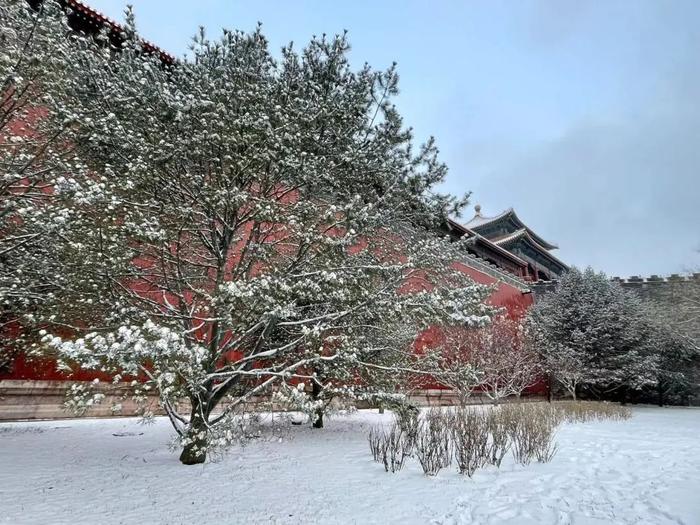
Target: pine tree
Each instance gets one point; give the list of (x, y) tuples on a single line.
[(31, 44), (594, 334), (238, 224)]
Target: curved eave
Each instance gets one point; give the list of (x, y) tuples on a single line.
[(509, 214), (480, 238), (524, 234)]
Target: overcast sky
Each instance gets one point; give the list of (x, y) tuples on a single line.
[(583, 116)]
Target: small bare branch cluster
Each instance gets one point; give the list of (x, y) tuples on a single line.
[(433, 447), (390, 448), (376, 439)]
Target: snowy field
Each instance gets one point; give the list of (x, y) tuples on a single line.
[(642, 471)]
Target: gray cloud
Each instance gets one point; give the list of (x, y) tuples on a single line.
[(620, 194), (619, 189)]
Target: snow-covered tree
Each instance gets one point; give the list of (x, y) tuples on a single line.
[(505, 359), (567, 365), (593, 333), (496, 359), (679, 307), (675, 310), (676, 349), (30, 47), (452, 361), (238, 224)]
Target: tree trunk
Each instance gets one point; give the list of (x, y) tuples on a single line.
[(318, 422), (660, 392), (315, 394), (550, 386), (195, 451)]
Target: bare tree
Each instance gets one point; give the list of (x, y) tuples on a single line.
[(506, 362), (453, 363)]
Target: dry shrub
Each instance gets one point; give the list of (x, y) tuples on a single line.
[(433, 444), (475, 438), (533, 440), (470, 434), (585, 411), (376, 443), (500, 440), (396, 450), (531, 428), (390, 448)]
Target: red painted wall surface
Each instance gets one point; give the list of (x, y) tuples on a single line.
[(25, 368), (512, 299), (505, 295)]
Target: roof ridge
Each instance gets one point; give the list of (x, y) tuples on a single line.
[(511, 236), (81, 9), (479, 220)]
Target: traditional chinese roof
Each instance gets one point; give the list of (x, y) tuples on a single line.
[(478, 223), (525, 235), (84, 19), (471, 234), (489, 258)]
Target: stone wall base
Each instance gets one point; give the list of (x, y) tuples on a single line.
[(25, 399)]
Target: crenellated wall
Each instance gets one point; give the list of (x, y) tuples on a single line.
[(653, 287)]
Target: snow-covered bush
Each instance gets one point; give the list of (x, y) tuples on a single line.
[(592, 334)]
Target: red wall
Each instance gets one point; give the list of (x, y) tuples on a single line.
[(505, 295)]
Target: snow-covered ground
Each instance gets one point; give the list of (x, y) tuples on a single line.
[(642, 471)]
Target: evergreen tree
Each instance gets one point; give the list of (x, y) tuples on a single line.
[(30, 48), (594, 335), (235, 224)]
